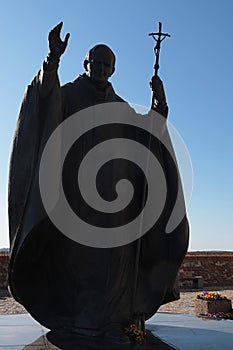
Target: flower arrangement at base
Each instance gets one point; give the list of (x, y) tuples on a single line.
[(211, 296), (135, 333), (210, 304), (218, 316)]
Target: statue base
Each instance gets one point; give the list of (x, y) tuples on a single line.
[(74, 342), (55, 341)]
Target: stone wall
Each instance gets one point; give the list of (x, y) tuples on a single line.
[(4, 260), (216, 269)]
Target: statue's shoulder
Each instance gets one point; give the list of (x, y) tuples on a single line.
[(78, 83)]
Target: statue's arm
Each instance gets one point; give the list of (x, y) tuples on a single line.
[(159, 103), (49, 72), (48, 76)]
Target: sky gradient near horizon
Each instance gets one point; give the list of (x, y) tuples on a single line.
[(195, 65)]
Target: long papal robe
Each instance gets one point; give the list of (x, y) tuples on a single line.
[(63, 284)]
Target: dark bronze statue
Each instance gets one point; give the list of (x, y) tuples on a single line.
[(66, 286)]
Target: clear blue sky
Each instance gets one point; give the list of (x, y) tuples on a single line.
[(196, 67)]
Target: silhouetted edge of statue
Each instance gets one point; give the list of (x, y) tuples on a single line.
[(41, 255)]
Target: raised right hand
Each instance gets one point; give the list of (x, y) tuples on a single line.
[(56, 45)]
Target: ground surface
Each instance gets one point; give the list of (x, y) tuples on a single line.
[(185, 305)]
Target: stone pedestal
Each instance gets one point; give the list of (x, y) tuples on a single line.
[(213, 306), (58, 341)]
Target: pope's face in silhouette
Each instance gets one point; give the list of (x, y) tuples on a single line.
[(100, 65)]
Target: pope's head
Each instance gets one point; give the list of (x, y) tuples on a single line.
[(99, 63)]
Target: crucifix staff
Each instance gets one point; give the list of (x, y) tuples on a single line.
[(158, 37), (137, 315)]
